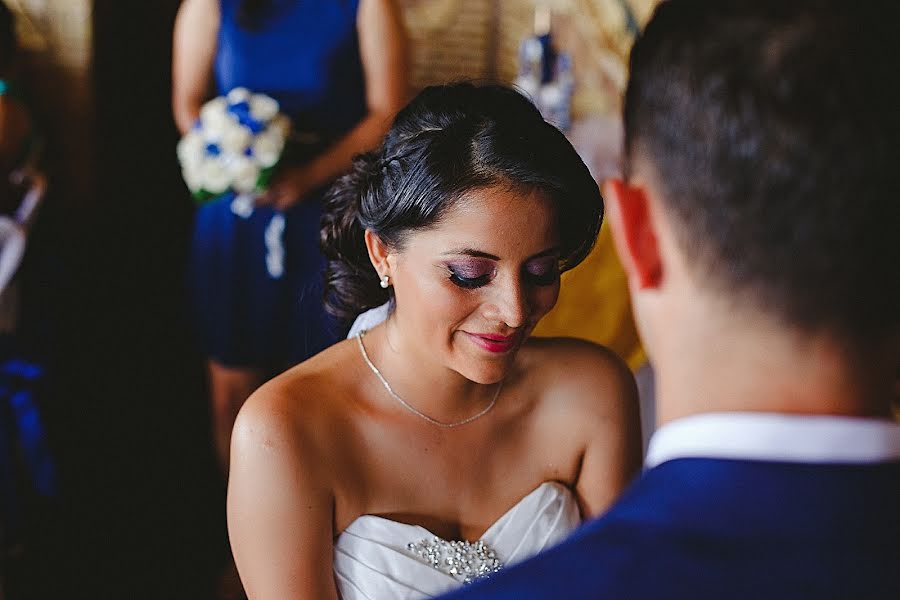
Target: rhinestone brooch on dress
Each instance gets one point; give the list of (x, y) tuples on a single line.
[(464, 561)]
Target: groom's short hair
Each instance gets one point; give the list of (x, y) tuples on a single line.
[(770, 128)]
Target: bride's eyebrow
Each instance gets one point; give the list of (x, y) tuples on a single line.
[(470, 252), (479, 254)]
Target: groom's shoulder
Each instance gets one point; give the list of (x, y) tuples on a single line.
[(600, 561), (639, 551)]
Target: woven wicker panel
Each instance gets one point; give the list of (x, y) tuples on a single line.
[(461, 39), (450, 39), (597, 33)]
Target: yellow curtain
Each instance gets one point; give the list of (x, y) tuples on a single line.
[(594, 305)]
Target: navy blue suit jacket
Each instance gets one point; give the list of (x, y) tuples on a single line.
[(728, 529)]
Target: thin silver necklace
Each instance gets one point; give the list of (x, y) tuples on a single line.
[(413, 409)]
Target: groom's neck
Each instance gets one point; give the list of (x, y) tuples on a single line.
[(762, 367)]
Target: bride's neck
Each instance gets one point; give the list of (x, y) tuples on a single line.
[(422, 381)]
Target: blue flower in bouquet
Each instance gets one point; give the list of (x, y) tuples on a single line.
[(235, 145)]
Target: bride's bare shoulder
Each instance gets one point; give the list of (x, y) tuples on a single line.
[(582, 372), (302, 403), (578, 359)]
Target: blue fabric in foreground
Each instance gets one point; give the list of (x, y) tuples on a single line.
[(709, 528)]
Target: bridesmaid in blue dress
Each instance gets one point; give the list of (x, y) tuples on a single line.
[(338, 69)]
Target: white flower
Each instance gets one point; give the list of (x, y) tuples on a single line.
[(267, 148), (193, 177), (235, 138), (214, 132), (244, 174), (215, 177), (263, 108), (214, 115), (238, 94), (191, 149)]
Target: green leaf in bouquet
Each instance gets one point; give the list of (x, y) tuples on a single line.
[(265, 176), (293, 154), (202, 196)]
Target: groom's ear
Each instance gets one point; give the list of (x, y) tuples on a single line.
[(634, 232), (378, 253)]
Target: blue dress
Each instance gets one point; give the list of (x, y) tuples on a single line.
[(305, 54)]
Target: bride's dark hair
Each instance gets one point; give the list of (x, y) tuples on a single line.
[(448, 141)]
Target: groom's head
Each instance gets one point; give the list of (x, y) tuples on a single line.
[(762, 171)]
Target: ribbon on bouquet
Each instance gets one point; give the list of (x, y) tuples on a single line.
[(242, 206)]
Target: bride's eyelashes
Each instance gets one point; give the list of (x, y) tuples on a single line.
[(467, 283), (471, 274), (540, 272)]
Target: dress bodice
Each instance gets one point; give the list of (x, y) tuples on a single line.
[(304, 53), (377, 558)]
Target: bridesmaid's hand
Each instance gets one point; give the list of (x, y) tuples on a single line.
[(287, 188)]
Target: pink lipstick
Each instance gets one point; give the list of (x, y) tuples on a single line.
[(493, 342)]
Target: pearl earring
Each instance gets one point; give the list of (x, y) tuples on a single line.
[(385, 281)]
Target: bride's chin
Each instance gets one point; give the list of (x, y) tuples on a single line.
[(487, 372)]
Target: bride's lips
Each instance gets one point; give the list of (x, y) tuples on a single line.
[(493, 342)]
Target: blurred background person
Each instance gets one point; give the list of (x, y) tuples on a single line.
[(18, 138), (338, 70), (27, 473)]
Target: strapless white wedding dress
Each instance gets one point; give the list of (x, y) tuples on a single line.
[(379, 559)]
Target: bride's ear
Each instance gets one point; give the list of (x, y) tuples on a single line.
[(379, 253)]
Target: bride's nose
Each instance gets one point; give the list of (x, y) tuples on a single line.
[(509, 303)]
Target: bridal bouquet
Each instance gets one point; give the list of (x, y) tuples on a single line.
[(235, 145)]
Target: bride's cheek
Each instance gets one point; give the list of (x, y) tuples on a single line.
[(545, 300), (446, 302)]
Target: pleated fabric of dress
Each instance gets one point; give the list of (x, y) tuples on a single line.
[(373, 560)]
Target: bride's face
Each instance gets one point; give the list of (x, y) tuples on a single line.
[(470, 290)]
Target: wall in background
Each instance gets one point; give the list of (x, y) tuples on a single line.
[(56, 38), (453, 39)]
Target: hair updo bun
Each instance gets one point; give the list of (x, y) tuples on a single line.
[(351, 282), (448, 141)]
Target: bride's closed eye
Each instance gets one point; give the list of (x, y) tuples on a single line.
[(543, 271), (475, 274), (471, 274)]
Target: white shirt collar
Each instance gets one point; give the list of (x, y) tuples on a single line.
[(776, 438)]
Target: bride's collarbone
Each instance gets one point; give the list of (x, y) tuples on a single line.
[(453, 482)]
